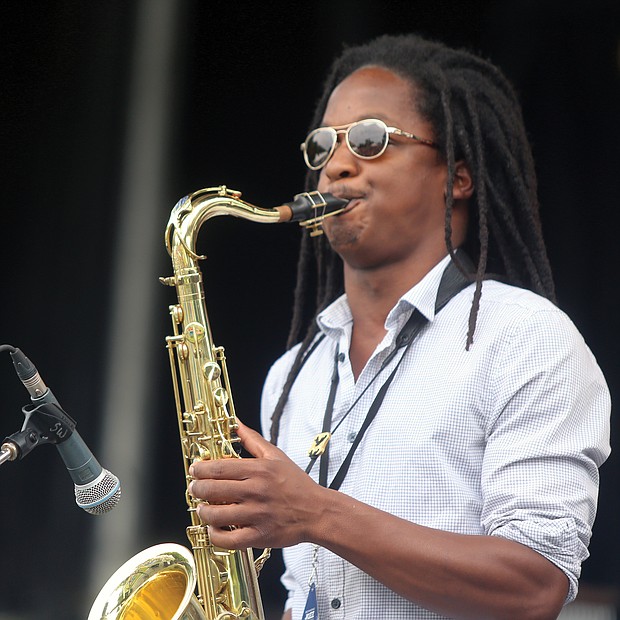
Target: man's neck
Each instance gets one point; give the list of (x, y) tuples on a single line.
[(371, 295)]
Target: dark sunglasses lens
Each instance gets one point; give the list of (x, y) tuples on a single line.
[(367, 139), (318, 147)]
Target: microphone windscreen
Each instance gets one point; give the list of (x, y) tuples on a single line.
[(100, 495)]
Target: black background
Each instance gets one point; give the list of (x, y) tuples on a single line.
[(245, 80)]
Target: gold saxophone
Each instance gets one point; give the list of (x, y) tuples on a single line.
[(160, 582)]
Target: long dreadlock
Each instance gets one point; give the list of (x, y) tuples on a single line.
[(476, 117)]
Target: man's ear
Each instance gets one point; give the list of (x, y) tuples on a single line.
[(463, 186)]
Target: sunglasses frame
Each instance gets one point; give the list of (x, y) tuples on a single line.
[(345, 129)]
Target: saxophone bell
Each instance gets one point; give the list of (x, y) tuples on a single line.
[(158, 582)]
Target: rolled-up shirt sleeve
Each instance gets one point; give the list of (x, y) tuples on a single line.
[(540, 485)]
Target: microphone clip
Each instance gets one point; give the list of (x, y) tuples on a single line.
[(45, 423)]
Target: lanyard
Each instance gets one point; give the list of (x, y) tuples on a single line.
[(452, 282), (403, 340)]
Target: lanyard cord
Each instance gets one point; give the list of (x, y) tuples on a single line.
[(452, 282), (404, 339)]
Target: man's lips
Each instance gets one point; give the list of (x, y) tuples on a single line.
[(351, 205), (354, 200)]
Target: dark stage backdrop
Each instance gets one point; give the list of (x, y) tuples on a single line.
[(243, 81)]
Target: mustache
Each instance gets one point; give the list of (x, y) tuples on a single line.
[(346, 192)]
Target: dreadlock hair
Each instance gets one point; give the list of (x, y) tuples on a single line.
[(476, 118)]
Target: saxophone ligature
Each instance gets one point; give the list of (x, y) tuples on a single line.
[(168, 581)]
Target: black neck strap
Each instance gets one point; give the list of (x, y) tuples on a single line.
[(452, 282)]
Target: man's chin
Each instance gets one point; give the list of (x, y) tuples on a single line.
[(340, 235)]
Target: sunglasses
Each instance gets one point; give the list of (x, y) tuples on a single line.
[(366, 139)]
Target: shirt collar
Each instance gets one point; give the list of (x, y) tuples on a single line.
[(337, 316)]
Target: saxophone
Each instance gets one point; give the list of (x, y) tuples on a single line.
[(160, 582)]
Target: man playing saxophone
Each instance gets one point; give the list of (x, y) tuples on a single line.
[(457, 417)]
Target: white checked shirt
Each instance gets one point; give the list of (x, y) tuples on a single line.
[(504, 439)]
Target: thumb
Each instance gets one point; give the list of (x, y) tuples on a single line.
[(255, 443)]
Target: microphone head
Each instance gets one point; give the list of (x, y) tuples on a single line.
[(100, 495)]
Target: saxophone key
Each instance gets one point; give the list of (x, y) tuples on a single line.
[(220, 396), (195, 332), (211, 371)]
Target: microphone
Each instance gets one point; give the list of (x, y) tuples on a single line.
[(96, 489)]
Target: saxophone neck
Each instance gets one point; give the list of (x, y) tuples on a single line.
[(192, 211)]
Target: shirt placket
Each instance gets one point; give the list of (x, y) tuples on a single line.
[(334, 568)]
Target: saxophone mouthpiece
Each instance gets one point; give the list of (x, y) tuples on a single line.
[(310, 209)]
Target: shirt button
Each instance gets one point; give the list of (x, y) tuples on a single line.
[(351, 436), (336, 602), (341, 357)]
